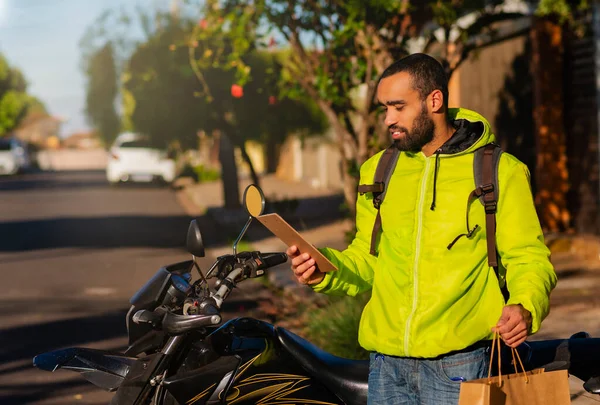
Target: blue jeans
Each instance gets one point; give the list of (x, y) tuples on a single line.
[(411, 381)]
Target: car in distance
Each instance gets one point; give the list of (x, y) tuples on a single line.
[(133, 158), (14, 157)]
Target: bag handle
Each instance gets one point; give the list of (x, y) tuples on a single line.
[(516, 353), (495, 340), (496, 347)]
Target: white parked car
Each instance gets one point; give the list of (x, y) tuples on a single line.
[(133, 158), (13, 156)]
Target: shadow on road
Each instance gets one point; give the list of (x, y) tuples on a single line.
[(144, 230), (94, 232), (24, 342)]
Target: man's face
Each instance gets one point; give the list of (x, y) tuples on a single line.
[(406, 115)]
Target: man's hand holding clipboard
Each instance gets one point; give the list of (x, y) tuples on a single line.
[(308, 264)]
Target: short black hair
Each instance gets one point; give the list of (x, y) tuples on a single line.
[(426, 72)]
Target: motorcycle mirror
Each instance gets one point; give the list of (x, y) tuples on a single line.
[(254, 200), (194, 242)]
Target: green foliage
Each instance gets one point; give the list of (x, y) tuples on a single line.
[(179, 81), (101, 94), (562, 9), (204, 174), (13, 106), (14, 101), (159, 94), (334, 327)]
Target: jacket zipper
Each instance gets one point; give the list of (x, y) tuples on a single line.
[(417, 253)]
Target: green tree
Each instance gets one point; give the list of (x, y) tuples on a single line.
[(102, 91), (14, 100), (339, 49), (563, 10), (163, 98)]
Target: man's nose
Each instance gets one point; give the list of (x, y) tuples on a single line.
[(390, 119)]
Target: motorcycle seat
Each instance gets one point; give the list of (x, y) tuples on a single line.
[(347, 379)]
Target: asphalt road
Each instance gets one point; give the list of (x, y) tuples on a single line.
[(73, 251)]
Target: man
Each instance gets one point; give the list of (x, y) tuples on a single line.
[(435, 304)]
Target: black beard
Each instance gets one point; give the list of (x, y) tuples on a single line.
[(420, 135)]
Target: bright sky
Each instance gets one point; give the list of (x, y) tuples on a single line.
[(41, 37)]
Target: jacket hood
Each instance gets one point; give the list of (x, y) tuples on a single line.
[(472, 132)]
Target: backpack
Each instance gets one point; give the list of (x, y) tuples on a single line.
[(485, 170)]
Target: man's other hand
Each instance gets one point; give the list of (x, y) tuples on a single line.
[(514, 325), (304, 267)]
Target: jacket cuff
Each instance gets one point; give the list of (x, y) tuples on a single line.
[(527, 303), (322, 286)]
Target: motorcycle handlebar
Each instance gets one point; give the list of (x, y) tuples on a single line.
[(174, 324), (272, 259)]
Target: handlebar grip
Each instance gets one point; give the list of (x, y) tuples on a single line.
[(145, 316), (273, 259)]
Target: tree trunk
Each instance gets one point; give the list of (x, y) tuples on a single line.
[(248, 160), (349, 167), (229, 175), (350, 187), (272, 153), (551, 169), (348, 153)]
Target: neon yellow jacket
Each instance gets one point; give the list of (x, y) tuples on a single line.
[(428, 300)]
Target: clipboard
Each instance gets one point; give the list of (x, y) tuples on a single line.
[(288, 235)]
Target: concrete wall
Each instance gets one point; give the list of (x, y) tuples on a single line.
[(314, 160), (71, 159)]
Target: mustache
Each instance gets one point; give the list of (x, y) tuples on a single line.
[(397, 128)]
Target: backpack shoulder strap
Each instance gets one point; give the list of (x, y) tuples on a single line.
[(479, 163), (383, 173), (485, 169)]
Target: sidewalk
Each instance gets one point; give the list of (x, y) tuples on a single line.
[(204, 196)]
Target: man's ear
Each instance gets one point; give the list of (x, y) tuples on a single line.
[(436, 101)]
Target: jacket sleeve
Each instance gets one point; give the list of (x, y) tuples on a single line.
[(530, 276), (355, 264)]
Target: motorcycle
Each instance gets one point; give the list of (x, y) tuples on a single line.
[(179, 353)]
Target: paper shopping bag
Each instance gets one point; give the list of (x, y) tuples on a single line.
[(481, 392), (535, 387)]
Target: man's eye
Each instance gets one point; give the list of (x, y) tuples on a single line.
[(399, 108)]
